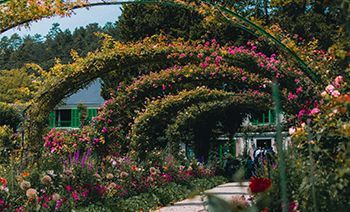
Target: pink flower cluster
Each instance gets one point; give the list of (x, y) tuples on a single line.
[(54, 141)]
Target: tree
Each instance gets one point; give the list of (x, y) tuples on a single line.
[(9, 116)]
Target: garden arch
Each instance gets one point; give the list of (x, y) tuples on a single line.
[(236, 72), (114, 56), (93, 66), (210, 107)]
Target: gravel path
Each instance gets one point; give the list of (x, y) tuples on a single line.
[(225, 191)]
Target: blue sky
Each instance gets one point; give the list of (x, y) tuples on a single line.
[(83, 17)]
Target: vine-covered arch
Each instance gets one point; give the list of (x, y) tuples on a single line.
[(175, 79), (113, 56), (73, 76), (177, 120), (228, 68), (150, 124)]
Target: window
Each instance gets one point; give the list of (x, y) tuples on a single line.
[(63, 118), (263, 143), (263, 118), (70, 117)]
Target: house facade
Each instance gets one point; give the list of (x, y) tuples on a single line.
[(66, 115), (258, 131)]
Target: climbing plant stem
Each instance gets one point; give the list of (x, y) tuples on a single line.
[(280, 149)]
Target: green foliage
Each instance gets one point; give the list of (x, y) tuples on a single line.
[(179, 114), (150, 124), (228, 68), (17, 86), (44, 51), (139, 21), (7, 143), (82, 109), (63, 80), (9, 115)]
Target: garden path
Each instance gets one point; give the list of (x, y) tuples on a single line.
[(225, 191)]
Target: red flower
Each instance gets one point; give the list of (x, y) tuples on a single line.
[(257, 185), (3, 181)]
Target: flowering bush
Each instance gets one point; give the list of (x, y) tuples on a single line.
[(80, 179), (63, 142)]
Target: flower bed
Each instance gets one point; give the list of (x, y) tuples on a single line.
[(71, 180)]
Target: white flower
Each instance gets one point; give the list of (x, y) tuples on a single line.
[(292, 130)]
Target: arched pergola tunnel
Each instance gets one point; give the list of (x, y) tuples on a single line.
[(235, 72), (126, 58), (166, 121), (76, 75)]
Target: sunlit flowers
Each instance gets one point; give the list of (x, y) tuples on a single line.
[(31, 193), (24, 185), (46, 180)]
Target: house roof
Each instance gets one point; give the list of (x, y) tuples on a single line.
[(89, 96)]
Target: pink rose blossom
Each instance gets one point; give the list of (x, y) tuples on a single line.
[(299, 90), (68, 188), (182, 55), (75, 195), (335, 93), (204, 65), (338, 80), (291, 96), (301, 113), (330, 88), (218, 60), (314, 111)]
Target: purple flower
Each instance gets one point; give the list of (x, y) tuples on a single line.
[(90, 166), (76, 157), (58, 205)]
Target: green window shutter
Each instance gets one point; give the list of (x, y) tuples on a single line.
[(263, 118), (95, 112), (52, 119), (220, 152), (92, 112), (75, 122), (234, 148), (273, 117)]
